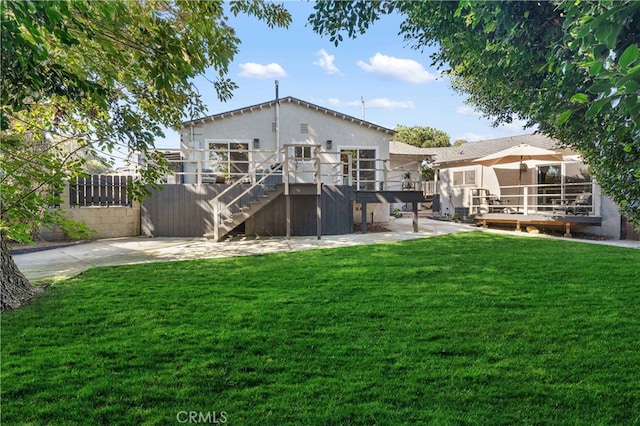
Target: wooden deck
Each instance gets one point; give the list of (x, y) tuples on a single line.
[(542, 220)]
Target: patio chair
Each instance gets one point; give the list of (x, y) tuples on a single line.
[(580, 206), (496, 205)]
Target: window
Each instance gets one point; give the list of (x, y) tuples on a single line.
[(363, 168), (458, 178), (549, 175), (230, 159), (304, 153), (468, 177)]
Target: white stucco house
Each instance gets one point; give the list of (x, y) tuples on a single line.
[(290, 161), (556, 193)]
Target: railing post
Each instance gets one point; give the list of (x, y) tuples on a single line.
[(216, 220), (287, 197), (350, 181), (526, 200), (471, 204), (596, 198), (199, 172), (318, 192), (385, 174)]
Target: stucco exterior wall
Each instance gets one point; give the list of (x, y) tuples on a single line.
[(259, 123), (454, 196), (299, 123), (610, 227), (380, 213)]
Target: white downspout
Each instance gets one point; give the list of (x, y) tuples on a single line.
[(277, 121)]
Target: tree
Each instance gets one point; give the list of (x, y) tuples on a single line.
[(105, 74), (423, 137), (460, 142), (571, 67)]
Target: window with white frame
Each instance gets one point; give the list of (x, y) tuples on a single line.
[(363, 167), (303, 153), (467, 177), (458, 178), (470, 177), (229, 159)]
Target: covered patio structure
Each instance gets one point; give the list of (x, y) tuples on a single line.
[(552, 190)]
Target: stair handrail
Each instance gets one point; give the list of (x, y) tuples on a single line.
[(247, 175), (258, 182)]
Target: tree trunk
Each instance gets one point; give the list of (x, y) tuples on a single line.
[(15, 288)]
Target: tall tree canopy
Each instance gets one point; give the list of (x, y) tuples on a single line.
[(571, 67), (104, 74), (423, 137)]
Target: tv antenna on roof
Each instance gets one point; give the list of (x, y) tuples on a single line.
[(362, 99)]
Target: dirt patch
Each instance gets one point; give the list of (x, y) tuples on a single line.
[(371, 227)]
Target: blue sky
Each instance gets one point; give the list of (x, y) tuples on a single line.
[(398, 84)]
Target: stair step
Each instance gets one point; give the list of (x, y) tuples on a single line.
[(261, 197)]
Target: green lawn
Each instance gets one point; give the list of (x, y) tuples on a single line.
[(473, 328)]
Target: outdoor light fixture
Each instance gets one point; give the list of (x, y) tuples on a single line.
[(256, 144), (329, 144)]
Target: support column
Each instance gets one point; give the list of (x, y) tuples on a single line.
[(567, 230), (415, 217), (287, 202), (287, 197), (364, 218), (319, 216), (318, 179)]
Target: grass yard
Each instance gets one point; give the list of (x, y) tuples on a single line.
[(465, 329)]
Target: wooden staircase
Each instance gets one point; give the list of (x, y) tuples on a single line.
[(230, 217)]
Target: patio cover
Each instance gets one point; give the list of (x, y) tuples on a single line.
[(519, 154)]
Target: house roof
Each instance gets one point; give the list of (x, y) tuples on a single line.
[(401, 148), (472, 150), (292, 100)]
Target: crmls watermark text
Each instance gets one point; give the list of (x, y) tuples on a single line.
[(208, 417)]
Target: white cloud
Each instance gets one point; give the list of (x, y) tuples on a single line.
[(325, 61), (474, 137), (334, 101), (383, 103), (259, 71), (465, 110), (517, 125), (402, 69)]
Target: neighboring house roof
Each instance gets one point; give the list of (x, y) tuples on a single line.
[(472, 150), (290, 99), (401, 148)]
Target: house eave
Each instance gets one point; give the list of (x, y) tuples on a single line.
[(288, 99)]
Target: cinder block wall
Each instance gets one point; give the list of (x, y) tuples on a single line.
[(108, 222)]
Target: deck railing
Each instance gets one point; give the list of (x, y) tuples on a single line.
[(250, 166), (548, 199)]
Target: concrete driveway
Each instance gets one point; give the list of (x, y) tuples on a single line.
[(68, 261), (65, 262)]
